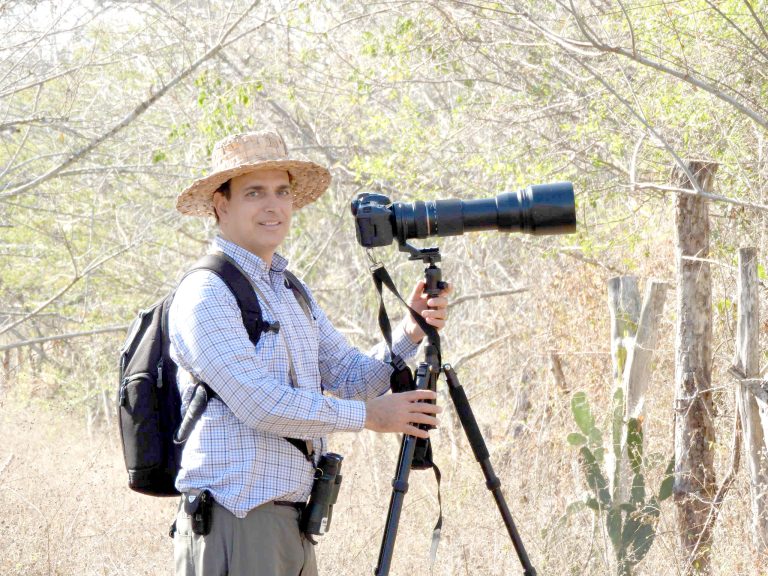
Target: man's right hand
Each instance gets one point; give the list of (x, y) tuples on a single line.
[(402, 412)]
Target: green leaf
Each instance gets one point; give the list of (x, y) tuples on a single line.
[(571, 510), (596, 438), (621, 362), (637, 493), (635, 444), (599, 454), (592, 504), (640, 531), (581, 413), (575, 507), (724, 305), (576, 439), (613, 525), (665, 490), (594, 476), (761, 272)]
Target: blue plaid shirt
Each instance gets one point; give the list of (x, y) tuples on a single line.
[(237, 448)]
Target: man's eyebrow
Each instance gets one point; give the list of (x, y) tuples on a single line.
[(260, 187)]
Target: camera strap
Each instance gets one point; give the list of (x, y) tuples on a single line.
[(382, 278), (402, 380)]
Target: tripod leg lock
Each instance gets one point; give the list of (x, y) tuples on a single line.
[(400, 485), (493, 483)]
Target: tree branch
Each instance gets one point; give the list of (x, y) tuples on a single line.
[(77, 277), (757, 19), (635, 57), (483, 295), (708, 195), (137, 111), (482, 349), (69, 336)]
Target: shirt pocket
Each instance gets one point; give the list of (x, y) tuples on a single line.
[(272, 355)]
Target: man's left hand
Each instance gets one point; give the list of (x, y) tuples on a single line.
[(434, 310)]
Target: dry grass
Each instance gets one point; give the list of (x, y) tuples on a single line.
[(67, 509)]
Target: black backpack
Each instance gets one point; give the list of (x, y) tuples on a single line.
[(149, 404)]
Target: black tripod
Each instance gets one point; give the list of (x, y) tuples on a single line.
[(426, 378)]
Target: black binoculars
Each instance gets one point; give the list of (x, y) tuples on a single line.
[(316, 518)]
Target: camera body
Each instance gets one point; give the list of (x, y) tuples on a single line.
[(375, 220)]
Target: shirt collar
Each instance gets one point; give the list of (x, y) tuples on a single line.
[(247, 260)]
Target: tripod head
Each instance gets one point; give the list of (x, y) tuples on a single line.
[(433, 280), (426, 255)]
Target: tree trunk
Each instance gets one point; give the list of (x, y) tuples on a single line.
[(747, 365), (694, 485)]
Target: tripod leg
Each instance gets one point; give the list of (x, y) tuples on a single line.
[(400, 482), (476, 441), (399, 488)]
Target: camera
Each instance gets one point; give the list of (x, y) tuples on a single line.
[(537, 209)]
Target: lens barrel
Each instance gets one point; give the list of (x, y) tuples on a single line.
[(538, 209)]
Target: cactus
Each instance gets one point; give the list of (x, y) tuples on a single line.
[(631, 525)]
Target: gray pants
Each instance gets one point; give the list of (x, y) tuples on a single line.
[(267, 542)]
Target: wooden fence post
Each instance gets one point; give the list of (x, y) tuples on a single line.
[(624, 305), (750, 398), (694, 485), (633, 337), (639, 365)]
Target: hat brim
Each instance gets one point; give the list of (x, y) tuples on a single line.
[(309, 181)]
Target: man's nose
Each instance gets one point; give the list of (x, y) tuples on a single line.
[(271, 202)]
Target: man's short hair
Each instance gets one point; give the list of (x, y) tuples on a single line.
[(225, 190)]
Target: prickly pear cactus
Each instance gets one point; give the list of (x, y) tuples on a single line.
[(631, 524)]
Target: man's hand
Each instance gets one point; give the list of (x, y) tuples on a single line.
[(433, 310), (401, 412)]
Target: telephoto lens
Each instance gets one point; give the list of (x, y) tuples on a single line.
[(317, 516), (539, 209)]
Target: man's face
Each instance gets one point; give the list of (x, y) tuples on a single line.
[(257, 215)]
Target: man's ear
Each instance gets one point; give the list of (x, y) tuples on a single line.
[(220, 204)]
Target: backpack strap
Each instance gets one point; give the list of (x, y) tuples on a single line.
[(299, 292), (241, 289)]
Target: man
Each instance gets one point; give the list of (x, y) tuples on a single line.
[(238, 450)]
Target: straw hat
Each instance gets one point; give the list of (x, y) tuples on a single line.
[(243, 153)]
